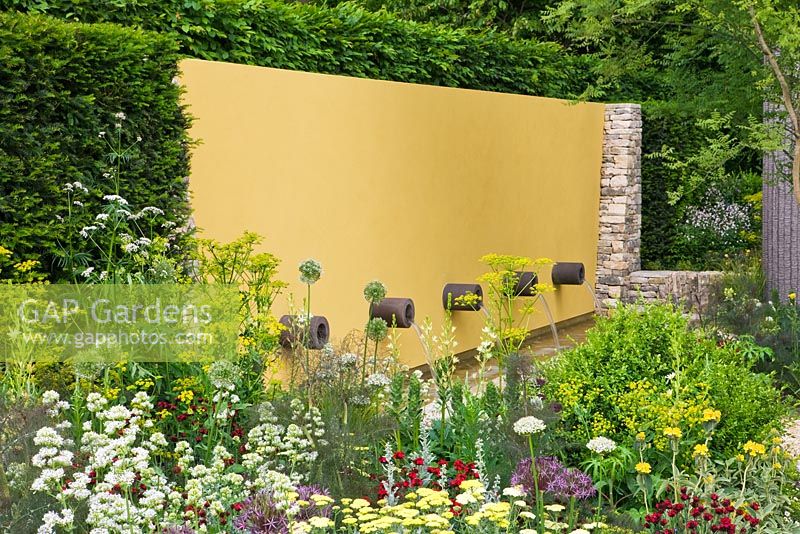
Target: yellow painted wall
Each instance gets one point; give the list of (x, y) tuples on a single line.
[(408, 184)]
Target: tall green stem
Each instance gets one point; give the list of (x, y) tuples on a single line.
[(308, 329), (539, 494), (366, 341)]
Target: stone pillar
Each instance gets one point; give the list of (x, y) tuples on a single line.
[(618, 251)]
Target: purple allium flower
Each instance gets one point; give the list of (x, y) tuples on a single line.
[(178, 529), (554, 478), (261, 515)]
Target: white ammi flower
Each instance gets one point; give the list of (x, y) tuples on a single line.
[(601, 445), (529, 425)]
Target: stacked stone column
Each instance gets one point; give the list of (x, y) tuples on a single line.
[(618, 253)]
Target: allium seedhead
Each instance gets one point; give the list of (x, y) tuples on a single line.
[(310, 271), (377, 329), (375, 292)]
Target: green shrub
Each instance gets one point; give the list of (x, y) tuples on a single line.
[(345, 39), (645, 370), (60, 85)]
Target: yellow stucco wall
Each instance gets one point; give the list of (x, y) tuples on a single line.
[(408, 184)]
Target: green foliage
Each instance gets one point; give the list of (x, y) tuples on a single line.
[(521, 18), (345, 39), (643, 371), (60, 85), (741, 307), (699, 197)]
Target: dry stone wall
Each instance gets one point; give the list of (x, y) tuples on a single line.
[(619, 275)]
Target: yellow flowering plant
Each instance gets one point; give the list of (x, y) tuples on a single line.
[(644, 369), (508, 313), (760, 473)]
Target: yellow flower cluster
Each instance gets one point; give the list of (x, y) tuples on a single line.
[(495, 512), (754, 449), (186, 396), (314, 522), (700, 450), (709, 415), (26, 266), (644, 468), (673, 432), (600, 425), (426, 510), (141, 384), (570, 394), (186, 382)]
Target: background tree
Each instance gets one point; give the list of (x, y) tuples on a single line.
[(772, 29)]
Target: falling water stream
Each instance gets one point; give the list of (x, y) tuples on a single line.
[(592, 292), (549, 315), (418, 331)]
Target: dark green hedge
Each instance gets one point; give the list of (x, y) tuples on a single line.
[(345, 39), (664, 124), (61, 84)]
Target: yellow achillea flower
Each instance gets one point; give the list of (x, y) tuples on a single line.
[(644, 468), (754, 449), (710, 414), (673, 432), (359, 503)]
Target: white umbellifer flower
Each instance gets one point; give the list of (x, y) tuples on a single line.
[(514, 491), (50, 397), (87, 272), (120, 116), (529, 425), (151, 210), (115, 198), (48, 437), (601, 445), (95, 402), (378, 380)]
